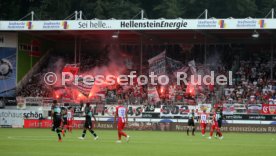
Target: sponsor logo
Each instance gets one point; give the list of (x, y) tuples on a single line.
[(265, 109), (222, 24), (247, 23), (272, 109), (65, 25), (33, 115), (16, 25), (52, 25), (206, 24), (154, 24), (21, 114), (29, 25), (262, 23)]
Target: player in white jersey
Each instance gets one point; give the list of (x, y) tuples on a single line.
[(70, 118), (121, 115), (203, 120)]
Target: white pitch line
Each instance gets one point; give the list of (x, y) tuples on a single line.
[(90, 139)]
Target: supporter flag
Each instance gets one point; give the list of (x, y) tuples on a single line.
[(85, 86), (153, 96), (158, 57), (161, 64), (157, 64), (71, 68), (228, 109), (172, 65), (184, 69), (254, 108), (192, 66)]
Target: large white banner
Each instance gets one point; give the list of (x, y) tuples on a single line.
[(15, 118), (109, 110), (158, 24), (157, 64), (228, 109), (34, 100), (22, 102), (182, 111), (175, 111), (201, 107)]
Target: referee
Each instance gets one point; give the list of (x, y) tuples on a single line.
[(219, 119), (191, 122)]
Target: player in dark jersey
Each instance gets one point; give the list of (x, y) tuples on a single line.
[(191, 122), (88, 122), (56, 116), (219, 120), (64, 120)]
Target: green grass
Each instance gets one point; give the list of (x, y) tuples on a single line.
[(43, 142)]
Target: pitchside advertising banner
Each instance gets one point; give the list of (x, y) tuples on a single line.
[(158, 126), (269, 109), (157, 24), (15, 118)]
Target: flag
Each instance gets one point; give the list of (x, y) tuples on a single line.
[(85, 86), (172, 65), (71, 68), (157, 64), (192, 66), (153, 95), (162, 65)]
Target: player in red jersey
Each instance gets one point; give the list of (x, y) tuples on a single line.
[(121, 115), (215, 126), (203, 120), (70, 118)]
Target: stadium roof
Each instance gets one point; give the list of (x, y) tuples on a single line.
[(161, 37), (142, 24), (152, 31)]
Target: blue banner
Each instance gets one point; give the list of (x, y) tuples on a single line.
[(7, 72)]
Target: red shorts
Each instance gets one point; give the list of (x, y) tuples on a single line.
[(70, 122), (203, 125), (121, 125), (215, 126)]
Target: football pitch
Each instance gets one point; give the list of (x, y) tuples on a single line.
[(43, 142)]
